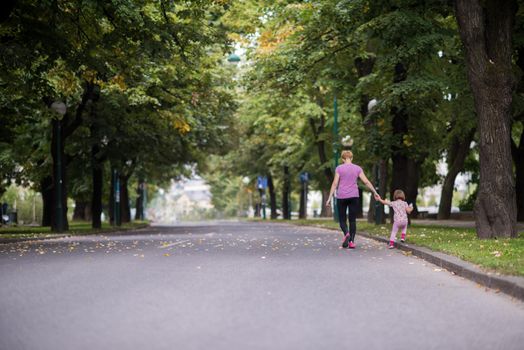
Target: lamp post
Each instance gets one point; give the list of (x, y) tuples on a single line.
[(60, 108), (244, 182)]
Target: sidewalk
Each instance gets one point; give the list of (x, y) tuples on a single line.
[(510, 285), (48, 236), (434, 222)]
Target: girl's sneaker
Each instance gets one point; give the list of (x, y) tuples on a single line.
[(391, 245), (403, 238), (352, 245), (345, 243)]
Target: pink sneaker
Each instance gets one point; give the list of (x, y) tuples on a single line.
[(352, 245), (346, 241), (403, 238), (391, 245)]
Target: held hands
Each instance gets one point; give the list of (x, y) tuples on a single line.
[(328, 203), (377, 197)]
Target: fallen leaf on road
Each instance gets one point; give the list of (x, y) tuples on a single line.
[(166, 254), (437, 270)]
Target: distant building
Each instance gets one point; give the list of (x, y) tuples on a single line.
[(186, 199)]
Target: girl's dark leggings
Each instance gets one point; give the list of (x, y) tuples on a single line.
[(347, 209)]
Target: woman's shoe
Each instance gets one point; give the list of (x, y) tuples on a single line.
[(345, 243), (352, 245)]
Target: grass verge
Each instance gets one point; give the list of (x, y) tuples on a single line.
[(499, 255), (75, 228)]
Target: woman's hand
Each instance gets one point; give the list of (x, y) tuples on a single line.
[(377, 197), (328, 203)]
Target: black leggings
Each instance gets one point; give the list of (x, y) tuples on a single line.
[(347, 209)]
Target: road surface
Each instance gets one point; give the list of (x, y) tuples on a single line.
[(228, 285)]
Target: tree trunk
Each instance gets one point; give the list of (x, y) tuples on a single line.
[(140, 191), (457, 154), (302, 212), (125, 209), (286, 210), (518, 151), (98, 183), (321, 149), (111, 205), (518, 160), (79, 212), (272, 196), (405, 177), (519, 167), (486, 31), (405, 170), (380, 175), (360, 209), (46, 188), (59, 172), (325, 212)]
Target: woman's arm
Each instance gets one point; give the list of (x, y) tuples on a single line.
[(367, 183), (334, 186)]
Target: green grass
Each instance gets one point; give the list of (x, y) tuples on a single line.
[(499, 255), (75, 228)]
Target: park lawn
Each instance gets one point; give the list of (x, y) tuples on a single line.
[(499, 255), (75, 228)]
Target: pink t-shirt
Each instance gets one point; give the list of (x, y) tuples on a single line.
[(347, 186), (399, 208)]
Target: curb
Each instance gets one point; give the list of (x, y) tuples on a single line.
[(510, 285), (66, 235)]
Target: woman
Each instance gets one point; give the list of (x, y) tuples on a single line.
[(345, 182)]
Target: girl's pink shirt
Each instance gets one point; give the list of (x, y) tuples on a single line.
[(399, 208)]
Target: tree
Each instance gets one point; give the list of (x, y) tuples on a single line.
[(149, 63), (486, 31)]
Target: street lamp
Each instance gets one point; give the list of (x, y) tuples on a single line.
[(233, 58), (60, 108), (347, 142)]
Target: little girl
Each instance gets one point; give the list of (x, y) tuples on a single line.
[(400, 217)]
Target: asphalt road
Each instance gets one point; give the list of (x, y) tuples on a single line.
[(241, 286)]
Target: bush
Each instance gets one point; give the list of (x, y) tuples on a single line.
[(468, 203)]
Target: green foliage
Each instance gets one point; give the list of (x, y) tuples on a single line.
[(143, 81), (305, 53)]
